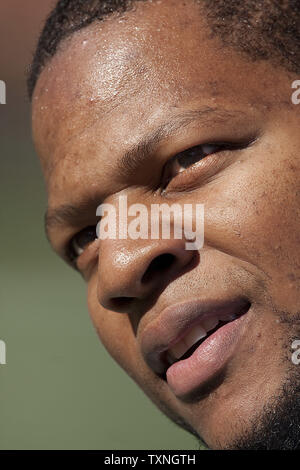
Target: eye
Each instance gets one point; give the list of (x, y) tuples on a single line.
[(189, 157), (80, 241)]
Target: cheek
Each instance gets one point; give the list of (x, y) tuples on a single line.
[(115, 332), (254, 207), (116, 335), (271, 224), (256, 217)]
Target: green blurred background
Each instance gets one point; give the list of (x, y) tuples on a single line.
[(59, 388)]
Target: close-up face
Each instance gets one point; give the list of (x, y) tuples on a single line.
[(148, 104)]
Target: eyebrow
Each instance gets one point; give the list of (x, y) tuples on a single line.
[(139, 152), (134, 157), (68, 214)]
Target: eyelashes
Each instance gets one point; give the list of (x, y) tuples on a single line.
[(80, 241), (186, 159), (191, 156)]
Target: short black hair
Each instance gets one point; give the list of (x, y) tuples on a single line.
[(263, 29)]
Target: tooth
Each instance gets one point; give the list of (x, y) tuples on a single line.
[(210, 323), (179, 349), (194, 335), (197, 333)]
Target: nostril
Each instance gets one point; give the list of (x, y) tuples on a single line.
[(159, 265)]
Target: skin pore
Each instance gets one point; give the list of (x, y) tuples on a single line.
[(117, 102)]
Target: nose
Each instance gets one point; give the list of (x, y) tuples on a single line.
[(132, 271)]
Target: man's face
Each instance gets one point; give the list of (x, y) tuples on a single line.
[(111, 111)]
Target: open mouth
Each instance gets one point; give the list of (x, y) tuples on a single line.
[(203, 352), (191, 342), (197, 334)]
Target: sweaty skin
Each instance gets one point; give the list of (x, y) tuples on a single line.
[(156, 70)]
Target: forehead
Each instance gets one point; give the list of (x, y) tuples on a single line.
[(113, 82), (116, 61)]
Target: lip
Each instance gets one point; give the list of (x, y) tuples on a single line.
[(173, 323)]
